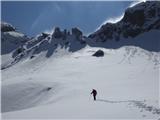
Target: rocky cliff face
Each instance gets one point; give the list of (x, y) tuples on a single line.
[(141, 18), (11, 39), (6, 27)]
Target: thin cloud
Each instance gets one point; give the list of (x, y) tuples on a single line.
[(58, 8), (36, 22), (43, 15)]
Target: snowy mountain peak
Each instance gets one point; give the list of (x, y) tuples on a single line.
[(11, 39), (145, 14), (137, 28), (138, 19), (6, 27)]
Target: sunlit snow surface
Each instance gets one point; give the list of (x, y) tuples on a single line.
[(59, 87)]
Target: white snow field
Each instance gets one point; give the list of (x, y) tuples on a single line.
[(50, 77), (127, 81)]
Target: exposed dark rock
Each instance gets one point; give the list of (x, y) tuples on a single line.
[(92, 36), (136, 17), (32, 57), (77, 33), (45, 35), (49, 88), (83, 42), (136, 20), (42, 36), (55, 45), (57, 33), (68, 33), (48, 38), (155, 25), (5, 27), (18, 51), (67, 42), (64, 34), (98, 53), (60, 34), (117, 37), (132, 32), (151, 12)]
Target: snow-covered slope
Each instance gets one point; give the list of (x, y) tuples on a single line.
[(149, 41), (17, 46), (11, 41), (126, 80), (55, 73)]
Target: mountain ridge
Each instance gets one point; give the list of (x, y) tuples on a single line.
[(130, 30), (137, 19)]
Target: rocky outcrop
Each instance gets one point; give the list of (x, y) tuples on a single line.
[(11, 39), (136, 20), (6, 27), (98, 53), (57, 33), (78, 34)]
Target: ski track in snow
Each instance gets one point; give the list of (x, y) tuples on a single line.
[(133, 103)]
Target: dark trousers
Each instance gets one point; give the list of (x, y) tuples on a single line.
[(94, 96)]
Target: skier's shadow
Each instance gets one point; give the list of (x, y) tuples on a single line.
[(109, 101)]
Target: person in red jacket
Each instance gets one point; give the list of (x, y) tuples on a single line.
[(94, 92)]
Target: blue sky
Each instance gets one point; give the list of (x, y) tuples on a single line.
[(32, 17)]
